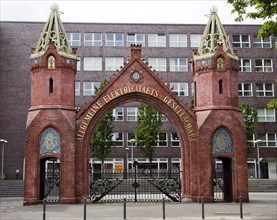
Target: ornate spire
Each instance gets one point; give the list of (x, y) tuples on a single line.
[(53, 31), (214, 34)]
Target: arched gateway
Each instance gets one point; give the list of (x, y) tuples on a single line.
[(57, 132)]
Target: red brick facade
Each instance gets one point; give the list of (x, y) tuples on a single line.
[(134, 82)]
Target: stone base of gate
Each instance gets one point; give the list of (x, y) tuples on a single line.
[(186, 200), (67, 200), (206, 199), (31, 201)]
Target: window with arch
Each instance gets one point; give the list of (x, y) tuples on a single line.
[(50, 141), (222, 141)]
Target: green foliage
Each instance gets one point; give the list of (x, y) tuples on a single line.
[(101, 142), (263, 9), (146, 134), (272, 104), (249, 116)]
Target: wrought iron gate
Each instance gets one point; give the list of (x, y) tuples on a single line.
[(135, 185), (218, 185), (51, 181)]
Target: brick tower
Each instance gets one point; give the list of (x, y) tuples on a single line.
[(221, 131), (50, 129)]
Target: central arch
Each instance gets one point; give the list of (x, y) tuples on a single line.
[(136, 82)]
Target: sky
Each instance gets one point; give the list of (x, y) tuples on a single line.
[(124, 11)]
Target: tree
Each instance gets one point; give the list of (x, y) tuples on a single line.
[(249, 116), (272, 104), (102, 142), (263, 9), (148, 128)]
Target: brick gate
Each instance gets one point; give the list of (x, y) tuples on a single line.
[(55, 129)]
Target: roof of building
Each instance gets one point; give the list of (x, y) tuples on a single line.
[(214, 34), (53, 31)]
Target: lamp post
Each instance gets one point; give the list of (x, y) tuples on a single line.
[(132, 141), (3, 150), (127, 149), (256, 142)]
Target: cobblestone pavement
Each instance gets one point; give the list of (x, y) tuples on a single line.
[(262, 206)]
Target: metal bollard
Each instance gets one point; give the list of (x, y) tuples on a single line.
[(44, 209), (163, 208), (203, 210), (124, 208), (85, 208), (240, 205)]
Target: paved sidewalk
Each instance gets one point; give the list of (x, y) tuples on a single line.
[(262, 206)]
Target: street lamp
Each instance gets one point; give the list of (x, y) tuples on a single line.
[(3, 150), (132, 141), (127, 149), (256, 142)]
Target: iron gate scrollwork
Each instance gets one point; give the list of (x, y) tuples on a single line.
[(135, 185)]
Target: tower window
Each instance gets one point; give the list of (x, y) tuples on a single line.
[(50, 85), (220, 86)]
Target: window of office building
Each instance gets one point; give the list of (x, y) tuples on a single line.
[(132, 113), (175, 142), (175, 163), (195, 40), (241, 41), (89, 88), (264, 42), (268, 139), (245, 65), (156, 40), (263, 65), (78, 63), (118, 114), (159, 64), (77, 88), (92, 63), (74, 39), (118, 139), (131, 136), (113, 63), (192, 88), (180, 89), (266, 115), (264, 90), (178, 64), (114, 39), (136, 39), (162, 140), (92, 39), (245, 89), (177, 40)]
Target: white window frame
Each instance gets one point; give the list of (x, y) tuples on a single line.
[(268, 139), (241, 43), (245, 67), (77, 88), (92, 63), (175, 141), (113, 63), (116, 116), (74, 39), (264, 90), (266, 115), (114, 42), (195, 40), (177, 66), (243, 92), (178, 40), (93, 41), (78, 63), (156, 40), (135, 39), (162, 143), (181, 90), (91, 90), (263, 67), (118, 137), (130, 136), (159, 64), (132, 115), (263, 42)]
